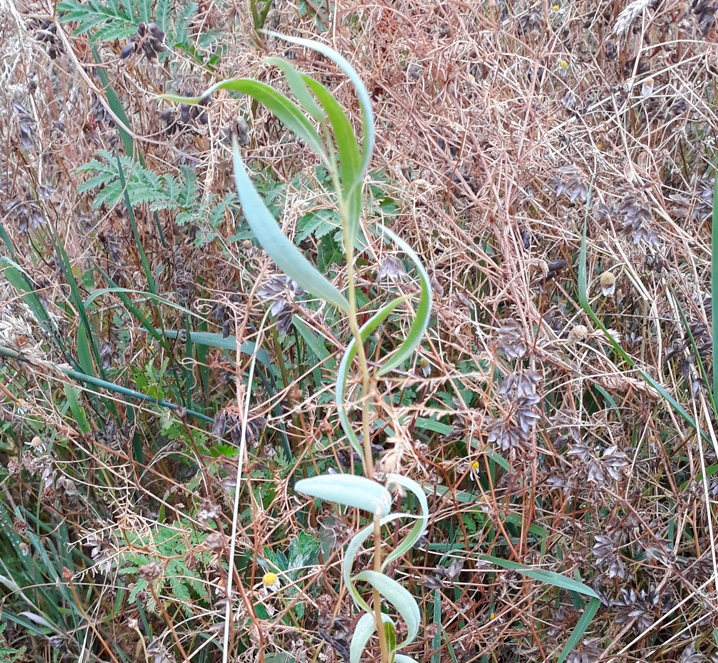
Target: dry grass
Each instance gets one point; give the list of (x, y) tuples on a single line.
[(494, 122)]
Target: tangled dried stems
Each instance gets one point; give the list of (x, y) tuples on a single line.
[(497, 123)]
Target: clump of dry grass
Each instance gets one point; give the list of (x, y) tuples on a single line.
[(501, 127)]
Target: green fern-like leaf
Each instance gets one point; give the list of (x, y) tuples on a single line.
[(111, 21), (143, 185), (318, 223)]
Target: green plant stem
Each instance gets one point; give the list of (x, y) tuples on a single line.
[(104, 384), (385, 655), (364, 369)]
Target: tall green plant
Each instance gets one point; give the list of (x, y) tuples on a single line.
[(317, 118)]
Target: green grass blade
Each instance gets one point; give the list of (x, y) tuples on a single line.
[(588, 614), (8, 242), (113, 101), (583, 300), (215, 340), (696, 354), (315, 344), (143, 256), (547, 577), (78, 413), (84, 354), (436, 620), (139, 316), (267, 231), (79, 305)]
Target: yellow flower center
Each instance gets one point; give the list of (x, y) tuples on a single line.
[(270, 579)]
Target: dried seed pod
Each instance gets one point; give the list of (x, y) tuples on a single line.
[(129, 50)]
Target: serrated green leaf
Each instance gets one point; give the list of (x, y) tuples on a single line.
[(318, 223)]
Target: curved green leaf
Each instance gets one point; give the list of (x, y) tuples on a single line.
[(364, 629), (362, 94), (349, 490), (423, 311), (401, 658), (343, 373), (422, 520), (284, 108), (288, 258), (399, 597), (298, 86), (353, 550)]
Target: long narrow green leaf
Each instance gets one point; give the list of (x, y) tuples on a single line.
[(285, 109), (315, 343), (583, 624), (362, 94), (215, 340), (423, 311), (115, 104), (350, 160), (397, 596), (298, 87), (548, 577), (7, 241), (141, 318), (138, 241), (699, 360), (289, 259), (436, 641), (77, 302), (78, 413)]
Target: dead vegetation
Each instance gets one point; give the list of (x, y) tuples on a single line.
[(503, 129)]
